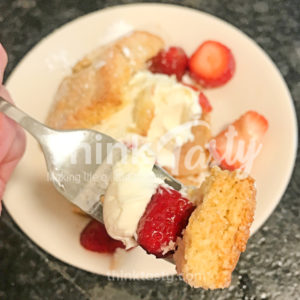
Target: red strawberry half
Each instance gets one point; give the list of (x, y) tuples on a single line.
[(165, 217), (170, 61), (94, 237), (212, 64), (239, 144)]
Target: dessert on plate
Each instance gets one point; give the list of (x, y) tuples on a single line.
[(152, 99)]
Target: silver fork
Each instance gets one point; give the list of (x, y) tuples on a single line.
[(87, 155)]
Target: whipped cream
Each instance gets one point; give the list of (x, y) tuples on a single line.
[(174, 108), (131, 187)]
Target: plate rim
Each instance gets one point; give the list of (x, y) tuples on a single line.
[(193, 10)]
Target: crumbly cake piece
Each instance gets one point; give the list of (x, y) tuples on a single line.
[(194, 155), (217, 231), (94, 89)]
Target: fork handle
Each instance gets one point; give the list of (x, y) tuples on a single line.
[(34, 127)]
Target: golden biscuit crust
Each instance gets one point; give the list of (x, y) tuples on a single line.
[(218, 230), (94, 89)]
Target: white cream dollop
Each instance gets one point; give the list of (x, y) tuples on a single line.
[(176, 106), (131, 187)]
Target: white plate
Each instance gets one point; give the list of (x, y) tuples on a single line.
[(47, 218)]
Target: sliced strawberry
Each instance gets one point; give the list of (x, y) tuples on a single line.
[(170, 61), (238, 145), (212, 64), (94, 237), (166, 215), (204, 103)]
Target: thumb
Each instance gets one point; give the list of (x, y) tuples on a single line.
[(3, 62)]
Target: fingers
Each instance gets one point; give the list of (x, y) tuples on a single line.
[(7, 135), (12, 137), (7, 138), (8, 128), (13, 156), (17, 148), (11, 134), (9, 162), (3, 62)]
